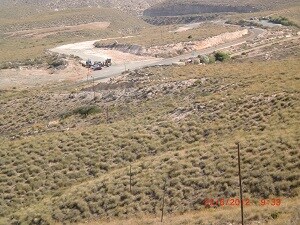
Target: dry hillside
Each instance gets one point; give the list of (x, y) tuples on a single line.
[(66, 158), (133, 6)]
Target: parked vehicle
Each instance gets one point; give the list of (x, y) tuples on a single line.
[(97, 65)]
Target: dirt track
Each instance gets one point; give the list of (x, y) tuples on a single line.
[(44, 32), (118, 69), (122, 61), (32, 77)]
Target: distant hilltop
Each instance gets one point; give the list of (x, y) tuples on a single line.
[(132, 6)]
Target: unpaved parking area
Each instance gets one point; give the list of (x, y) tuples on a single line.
[(86, 50)]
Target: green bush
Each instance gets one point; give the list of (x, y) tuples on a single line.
[(221, 56), (56, 63), (86, 110), (283, 21), (83, 111)]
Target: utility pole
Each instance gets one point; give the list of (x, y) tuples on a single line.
[(163, 202), (240, 182)]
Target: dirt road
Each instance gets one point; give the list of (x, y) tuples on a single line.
[(118, 69), (130, 62)]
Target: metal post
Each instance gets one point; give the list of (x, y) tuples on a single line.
[(240, 181), (163, 202), (106, 114), (130, 178), (94, 88), (88, 74)]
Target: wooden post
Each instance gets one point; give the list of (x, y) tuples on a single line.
[(240, 182), (163, 202)]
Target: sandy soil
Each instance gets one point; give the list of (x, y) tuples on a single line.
[(44, 32), (121, 58), (24, 78), (86, 50)]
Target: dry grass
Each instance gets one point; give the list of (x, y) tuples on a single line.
[(287, 213), (76, 168)]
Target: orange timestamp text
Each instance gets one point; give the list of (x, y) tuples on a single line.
[(246, 202)]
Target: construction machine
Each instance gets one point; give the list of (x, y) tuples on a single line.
[(107, 63)]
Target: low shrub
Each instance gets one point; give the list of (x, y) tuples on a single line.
[(221, 56), (204, 59), (84, 111), (87, 110), (283, 21)]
